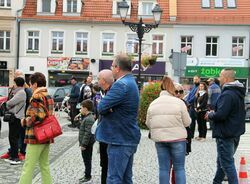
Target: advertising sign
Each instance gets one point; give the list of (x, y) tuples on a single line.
[(206, 71), (157, 69), (68, 63)]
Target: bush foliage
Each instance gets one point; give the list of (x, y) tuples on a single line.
[(148, 94)]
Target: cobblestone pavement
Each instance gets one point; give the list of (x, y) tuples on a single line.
[(67, 165)]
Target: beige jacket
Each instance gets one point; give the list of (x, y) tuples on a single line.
[(167, 118)]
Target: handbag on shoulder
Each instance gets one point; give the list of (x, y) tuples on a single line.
[(48, 129), (10, 116)]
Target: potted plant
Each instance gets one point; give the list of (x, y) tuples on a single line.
[(148, 60)]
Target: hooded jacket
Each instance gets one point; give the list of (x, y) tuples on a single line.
[(229, 114)]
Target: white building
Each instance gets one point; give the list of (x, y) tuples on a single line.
[(60, 37)]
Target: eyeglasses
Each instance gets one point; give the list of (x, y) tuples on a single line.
[(179, 91)]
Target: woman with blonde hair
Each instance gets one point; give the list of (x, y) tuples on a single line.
[(167, 117)]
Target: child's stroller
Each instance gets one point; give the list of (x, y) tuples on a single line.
[(65, 106)]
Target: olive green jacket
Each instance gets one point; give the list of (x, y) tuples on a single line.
[(85, 136)]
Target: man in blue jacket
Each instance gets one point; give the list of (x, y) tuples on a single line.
[(229, 125), (74, 94), (118, 125), (190, 102), (213, 94)]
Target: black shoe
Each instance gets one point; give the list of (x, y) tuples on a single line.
[(71, 126), (84, 179)]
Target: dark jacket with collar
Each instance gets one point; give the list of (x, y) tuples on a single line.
[(229, 114), (74, 93)]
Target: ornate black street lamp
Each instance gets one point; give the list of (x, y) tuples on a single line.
[(140, 28)]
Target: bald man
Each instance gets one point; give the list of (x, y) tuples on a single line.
[(229, 124), (105, 81)]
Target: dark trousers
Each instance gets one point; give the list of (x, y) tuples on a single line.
[(226, 148), (22, 145), (87, 159), (202, 124), (14, 133), (104, 162), (73, 111), (192, 114)]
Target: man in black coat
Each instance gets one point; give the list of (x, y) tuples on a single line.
[(229, 125)]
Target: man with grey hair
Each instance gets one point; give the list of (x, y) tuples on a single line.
[(229, 124), (118, 125), (105, 81)]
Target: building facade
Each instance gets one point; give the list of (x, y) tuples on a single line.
[(8, 39), (62, 38)]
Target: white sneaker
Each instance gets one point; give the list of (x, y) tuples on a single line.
[(15, 162)]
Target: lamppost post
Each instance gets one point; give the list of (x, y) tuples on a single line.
[(140, 28)]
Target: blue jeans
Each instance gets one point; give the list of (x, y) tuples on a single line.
[(225, 160), (175, 152), (120, 162)]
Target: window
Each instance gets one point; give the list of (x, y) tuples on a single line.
[(187, 44), (57, 41), (231, 3), (205, 3), (147, 8), (5, 3), (4, 41), (238, 46), (72, 6), (211, 46), (81, 42), (157, 45), (46, 6), (108, 43), (218, 3), (132, 44), (33, 41)]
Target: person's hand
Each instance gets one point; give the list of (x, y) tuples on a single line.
[(28, 121), (83, 148), (206, 115), (23, 122)]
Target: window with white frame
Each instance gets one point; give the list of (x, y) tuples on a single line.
[(157, 45), (33, 41), (72, 6), (132, 44), (187, 44), (238, 46), (211, 46), (218, 3), (46, 6), (147, 8), (5, 3), (108, 43), (81, 43), (231, 3), (4, 41), (205, 3), (57, 41)]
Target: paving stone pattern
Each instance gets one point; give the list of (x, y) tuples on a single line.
[(67, 165)]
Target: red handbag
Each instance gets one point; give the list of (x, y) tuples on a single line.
[(48, 129)]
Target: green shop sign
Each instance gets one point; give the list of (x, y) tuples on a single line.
[(206, 71)]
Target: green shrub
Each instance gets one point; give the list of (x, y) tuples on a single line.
[(148, 94)]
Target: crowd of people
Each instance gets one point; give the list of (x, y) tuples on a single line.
[(107, 112)]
